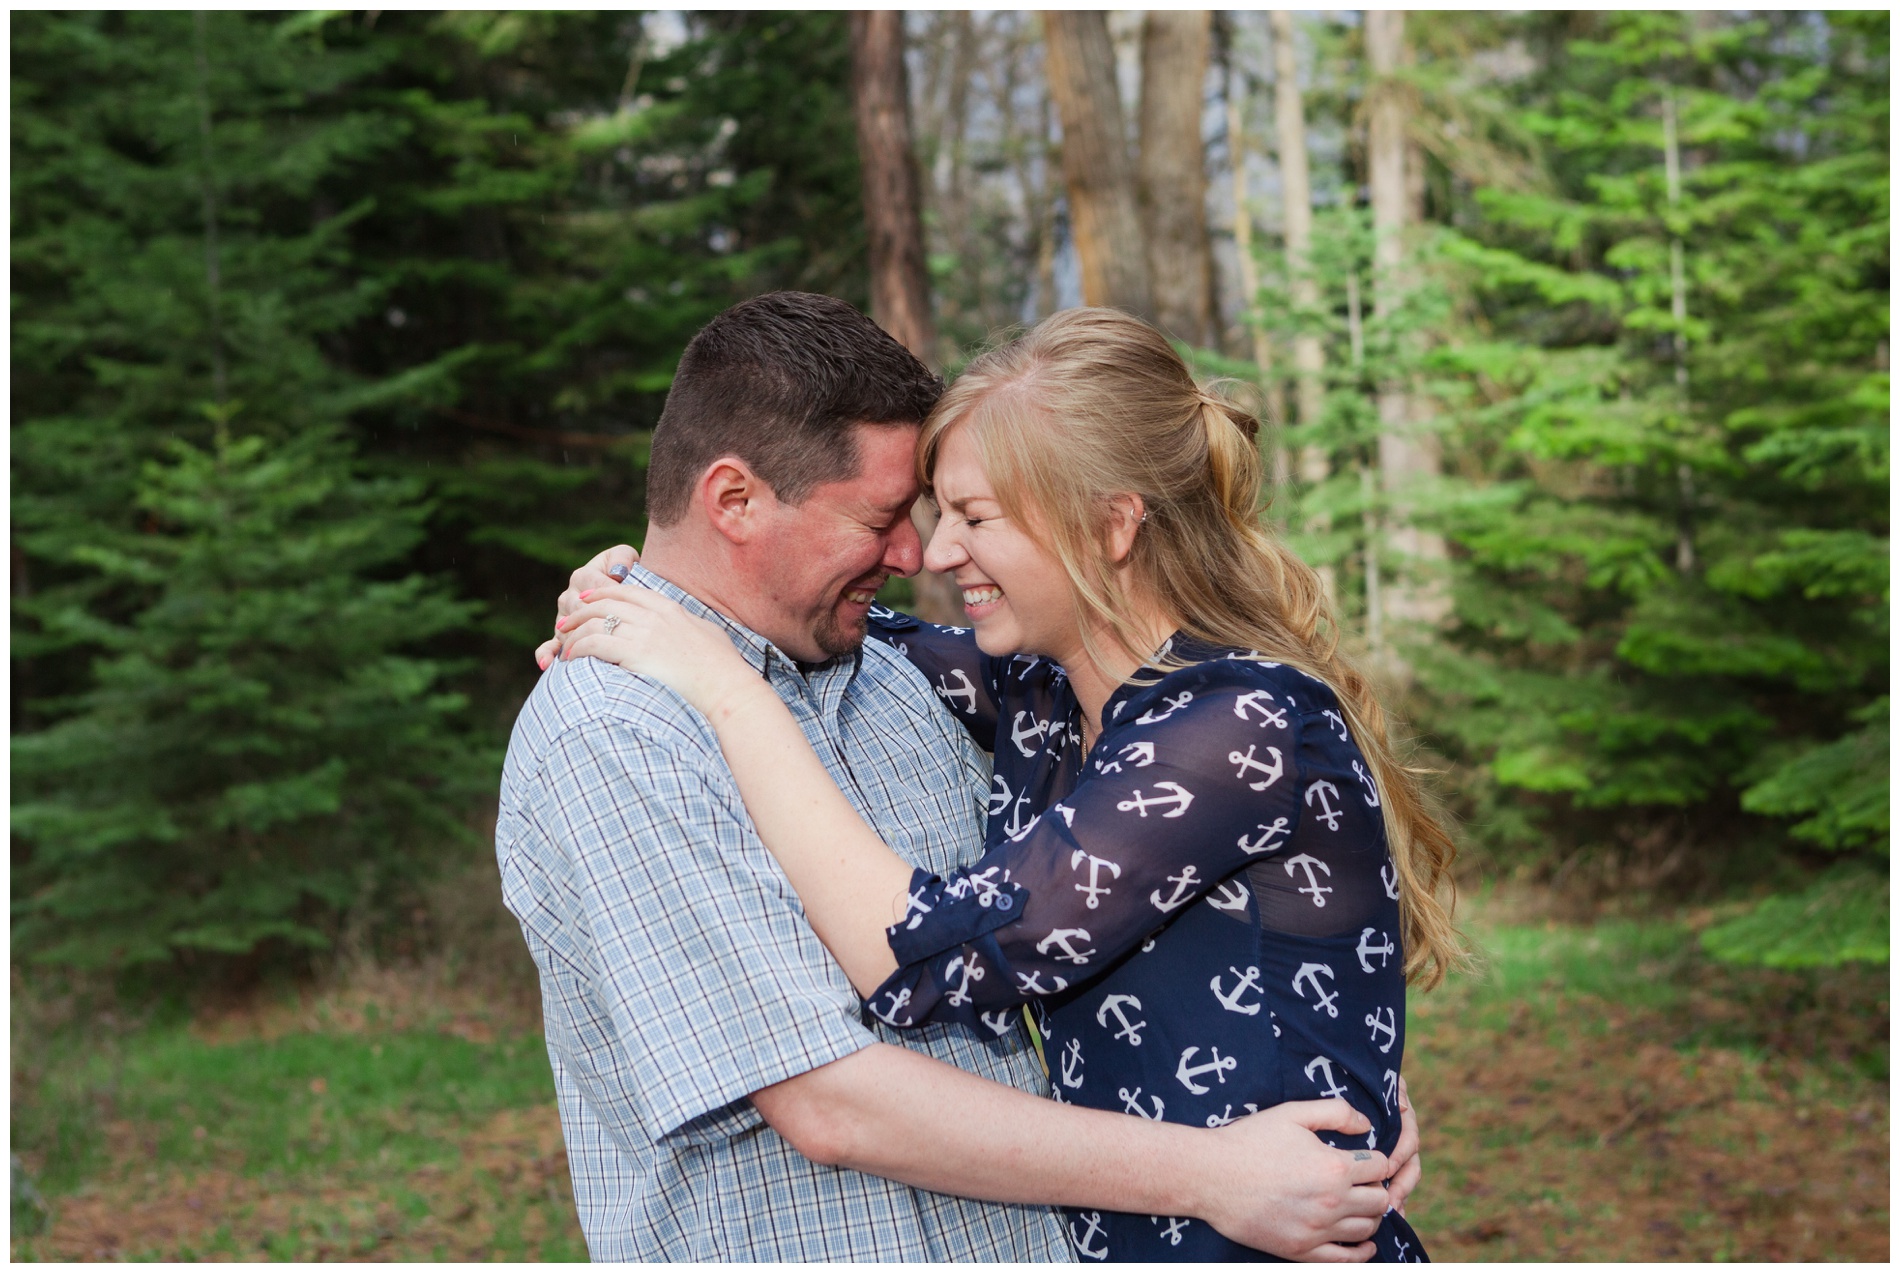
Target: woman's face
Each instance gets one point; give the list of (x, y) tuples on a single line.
[(1015, 593)]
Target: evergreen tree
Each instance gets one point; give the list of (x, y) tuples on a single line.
[(241, 750), (1673, 602)]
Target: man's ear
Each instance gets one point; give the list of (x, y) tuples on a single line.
[(1125, 514), (734, 498)]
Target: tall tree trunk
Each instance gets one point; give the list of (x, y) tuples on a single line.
[(1405, 457), (893, 218), (1104, 217), (1296, 188), (1270, 376), (1172, 170)]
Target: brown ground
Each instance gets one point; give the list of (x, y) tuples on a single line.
[(1541, 1149), (1560, 1127), (507, 1197)]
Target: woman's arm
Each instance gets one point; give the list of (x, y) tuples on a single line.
[(851, 883), (962, 675)]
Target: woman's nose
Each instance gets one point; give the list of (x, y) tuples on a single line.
[(945, 552)]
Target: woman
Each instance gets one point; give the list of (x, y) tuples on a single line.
[(1188, 876)]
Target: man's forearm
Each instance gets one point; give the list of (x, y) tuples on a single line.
[(898, 1114), (1265, 1181)]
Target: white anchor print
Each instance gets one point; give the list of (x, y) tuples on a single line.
[(1258, 700), (1331, 1086), (1092, 892), (1171, 1234), (1060, 937), (1175, 703), (889, 1016), (1383, 950), (1181, 799), (1266, 843), (1404, 1246), (914, 909), (1372, 792), (1072, 1064), (1391, 1093), (997, 1021), (1272, 770), (1230, 896), (964, 690), (1339, 722), (1307, 862), (999, 794), (1388, 1026), (1309, 973), (1249, 980), (1032, 984), (1183, 884), (1389, 876), (1227, 1115), (1113, 1006), (1131, 1104), (1016, 828), (1036, 730), (1017, 834), (966, 969), (1274, 1019), (1068, 814), (1140, 755), (989, 890), (1094, 1221), (1328, 814), (1218, 1067)]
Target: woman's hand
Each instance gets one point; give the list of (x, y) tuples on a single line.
[(604, 571), (644, 632)]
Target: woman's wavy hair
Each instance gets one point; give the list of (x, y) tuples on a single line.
[(1092, 403)]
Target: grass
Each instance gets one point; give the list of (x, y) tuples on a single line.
[(1593, 1092), (1609, 1093)]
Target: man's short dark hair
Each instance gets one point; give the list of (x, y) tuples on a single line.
[(779, 381)]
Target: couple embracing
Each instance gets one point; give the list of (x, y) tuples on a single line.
[(812, 964)]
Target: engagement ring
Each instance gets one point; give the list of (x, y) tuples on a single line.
[(609, 623)]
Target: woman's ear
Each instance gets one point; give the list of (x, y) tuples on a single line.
[(1126, 513)]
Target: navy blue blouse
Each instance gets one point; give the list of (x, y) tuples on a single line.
[(1202, 912)]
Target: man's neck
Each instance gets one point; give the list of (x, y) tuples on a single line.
[(708, 573)]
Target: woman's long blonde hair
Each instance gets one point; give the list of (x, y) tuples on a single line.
[(1091, 404)]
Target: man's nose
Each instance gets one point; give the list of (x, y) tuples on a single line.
[(946, 551), (904, 550)]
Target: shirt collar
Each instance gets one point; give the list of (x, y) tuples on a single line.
[(755, 649)]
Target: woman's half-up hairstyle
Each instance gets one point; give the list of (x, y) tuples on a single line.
[(1091, 404)]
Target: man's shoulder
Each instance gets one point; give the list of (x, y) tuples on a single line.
[(890, 684), (576, 696)]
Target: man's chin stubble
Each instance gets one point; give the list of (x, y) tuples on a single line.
[(835, 639)]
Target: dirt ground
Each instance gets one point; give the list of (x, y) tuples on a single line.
[(1741, 1118)]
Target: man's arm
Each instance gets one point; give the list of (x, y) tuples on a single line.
[(1264, 1181)]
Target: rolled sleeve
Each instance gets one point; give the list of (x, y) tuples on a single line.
[(714, 984)]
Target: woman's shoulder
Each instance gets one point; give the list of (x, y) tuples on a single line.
[(1219, 679)]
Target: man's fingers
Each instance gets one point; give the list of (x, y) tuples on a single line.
[(1335, 1253), (1368, 1166), (1405, 1181), (1333, 1115)]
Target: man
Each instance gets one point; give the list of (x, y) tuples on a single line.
[(720, 1094)]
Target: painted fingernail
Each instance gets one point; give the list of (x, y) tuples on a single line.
[(588, 595), (619, 572)]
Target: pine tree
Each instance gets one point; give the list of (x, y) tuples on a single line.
[(232, 746)]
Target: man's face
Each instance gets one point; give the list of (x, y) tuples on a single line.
[(820, 562)]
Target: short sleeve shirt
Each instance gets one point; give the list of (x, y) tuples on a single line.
[(678, 974)]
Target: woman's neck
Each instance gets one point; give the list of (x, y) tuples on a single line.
[(1095, 680)]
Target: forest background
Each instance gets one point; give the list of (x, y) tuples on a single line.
[(338, 339)]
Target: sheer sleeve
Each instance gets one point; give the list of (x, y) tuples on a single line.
[(1194, 781), (963, 676)]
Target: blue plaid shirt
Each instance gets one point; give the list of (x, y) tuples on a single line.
[(678, 974)]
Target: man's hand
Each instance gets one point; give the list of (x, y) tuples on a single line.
[(604, 571), (1407, 1166), (1275, 1186)]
